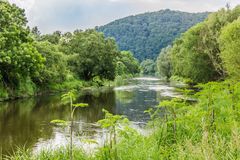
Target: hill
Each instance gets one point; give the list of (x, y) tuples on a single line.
[(146, 34)]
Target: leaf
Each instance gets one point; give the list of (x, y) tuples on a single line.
[(59, 122), (82, 105), (70, 96), (148, 110)]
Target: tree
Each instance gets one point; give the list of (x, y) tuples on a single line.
[(164, 66), (230, 48), (52, 38), (18, 57), (127, 64), (55, 70), (189, 59), (146, 34), (148, 67), (197, 54), (92, 55), (36, 33)]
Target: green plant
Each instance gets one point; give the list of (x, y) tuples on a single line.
[(69, 98), (172, 108), (111, 123)]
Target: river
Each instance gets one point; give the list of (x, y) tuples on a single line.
[(25, 122)]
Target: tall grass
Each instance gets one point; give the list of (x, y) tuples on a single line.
[(48, 154)]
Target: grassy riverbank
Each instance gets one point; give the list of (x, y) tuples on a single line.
[(207, 129), (28, 88)]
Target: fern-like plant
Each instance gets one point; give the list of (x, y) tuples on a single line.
[(68, 98)]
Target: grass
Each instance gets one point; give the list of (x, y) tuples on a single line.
[(3, 93), (134, 146), (206, 130), (27, 88), (67, 85), (58, 154)]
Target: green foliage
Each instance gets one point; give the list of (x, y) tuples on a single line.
[(190, 131), (92, 55), (121, 80), (146, 34), (181, 80), (207, 129), (55, 70), (68, 98), (58, 154), (164, 66), (111, 123), (25, 88), (189, 61), (21, 154), (230, 48), (3, 93), (18, 55), (148, 67), (55, 62), (52, 38), (19, 59), (201, 54), (67, 85), (127, 64)]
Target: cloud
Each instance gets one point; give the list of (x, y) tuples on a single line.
[(68, 15), (26, 4)]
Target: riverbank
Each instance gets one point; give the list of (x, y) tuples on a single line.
[(208, 129), (26, 122), (28, 89)]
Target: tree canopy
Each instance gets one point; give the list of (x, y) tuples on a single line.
[(18, 56), (148, 67), (31, 61), (127, 64), (209, 50), (164, 67), (92, 55), (146, 34), (230, 48)]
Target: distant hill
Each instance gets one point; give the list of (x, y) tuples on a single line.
[(146, 34)]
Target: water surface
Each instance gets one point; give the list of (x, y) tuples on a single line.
[(25, 122)]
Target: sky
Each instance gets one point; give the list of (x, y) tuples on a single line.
[(68, 15)]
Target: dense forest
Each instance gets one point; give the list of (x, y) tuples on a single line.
[(146, 34), (31, 63)]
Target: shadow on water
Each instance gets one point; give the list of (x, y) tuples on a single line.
[(26, 122)]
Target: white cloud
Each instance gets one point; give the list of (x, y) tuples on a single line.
[(67, 15), (26, 4)]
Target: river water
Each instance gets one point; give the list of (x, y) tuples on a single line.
[(25, 122)]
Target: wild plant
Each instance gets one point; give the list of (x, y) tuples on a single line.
[(69, 98), (112, 123)]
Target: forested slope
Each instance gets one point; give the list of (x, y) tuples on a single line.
[(146, 34)]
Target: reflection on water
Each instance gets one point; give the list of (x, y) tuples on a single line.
[(26, 122)]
